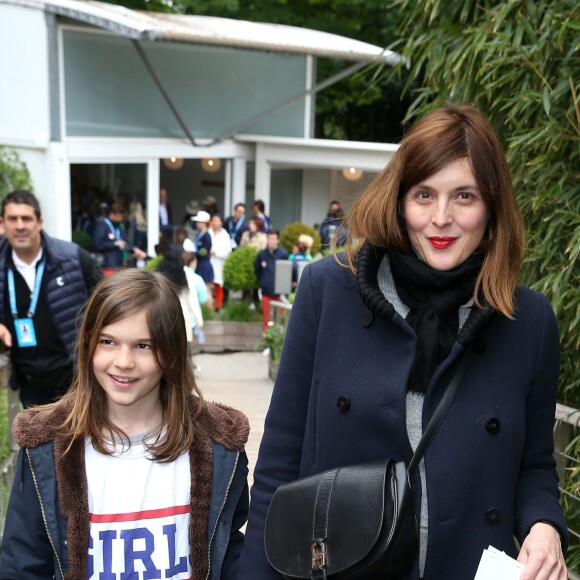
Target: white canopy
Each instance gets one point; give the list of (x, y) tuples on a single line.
[(212, 30)]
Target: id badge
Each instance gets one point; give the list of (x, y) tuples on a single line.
[(25, 334)]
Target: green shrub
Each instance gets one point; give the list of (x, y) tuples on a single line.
[(83, 240), (290, 233), (13, 173), (236, 311), (152, 263), (207, 313), (274, 340), (239, 271)]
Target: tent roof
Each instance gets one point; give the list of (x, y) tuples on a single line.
[(211, 30)]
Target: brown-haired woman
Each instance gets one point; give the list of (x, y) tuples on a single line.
[(255, 236), (131, 471), (435, 247)]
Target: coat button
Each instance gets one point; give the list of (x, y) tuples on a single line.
[(343, 403), (493, 425), (492, 516), (367, 318), (479, 346)]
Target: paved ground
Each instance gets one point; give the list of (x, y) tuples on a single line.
[(240, 380)]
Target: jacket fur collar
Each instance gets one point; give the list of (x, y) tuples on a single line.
[(214, 422)]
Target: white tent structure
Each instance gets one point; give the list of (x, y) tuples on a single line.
[(119, 94)]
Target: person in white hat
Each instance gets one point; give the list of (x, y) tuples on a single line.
[(203, 251), (221, 248)]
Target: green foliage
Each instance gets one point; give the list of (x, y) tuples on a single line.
[(207, 313), (239, 271), (153, 263), (13, 173), (236, 311), (4, 425), (274, 340), (83, 240), (518, 60), (290, 233)]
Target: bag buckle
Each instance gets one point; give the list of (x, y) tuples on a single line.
[(318, 554)]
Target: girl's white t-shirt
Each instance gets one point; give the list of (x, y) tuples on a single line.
[(138, 513)]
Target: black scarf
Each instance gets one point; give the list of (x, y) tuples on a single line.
[(433, 297)]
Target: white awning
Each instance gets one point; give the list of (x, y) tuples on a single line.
[(212, 30)]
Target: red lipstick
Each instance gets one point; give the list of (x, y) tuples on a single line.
[(441, 243)]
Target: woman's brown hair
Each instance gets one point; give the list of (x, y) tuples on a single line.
[(441, 137), (116, 297)]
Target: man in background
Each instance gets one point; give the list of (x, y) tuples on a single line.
[(111, 239), (265, 267), (165, 214), (44, 283), (237, 224)]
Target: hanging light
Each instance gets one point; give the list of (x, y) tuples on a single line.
[(211, 165), (352, 173), (173, 163)]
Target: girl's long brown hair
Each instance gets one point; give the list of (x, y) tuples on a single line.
[(116, 297), (441, 137)]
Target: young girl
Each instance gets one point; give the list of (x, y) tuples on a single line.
[(131, 474)]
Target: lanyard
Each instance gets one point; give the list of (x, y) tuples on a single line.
[(35, 293), (115, 231), (237, 228)]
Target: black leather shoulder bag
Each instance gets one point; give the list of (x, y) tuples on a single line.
[(355, 522)]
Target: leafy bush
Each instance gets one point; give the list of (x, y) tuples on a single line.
[(83, 240), (152, 263), (290, 233), (274, 340), (519, 61), (239, 271), (13, 173), (207, 313), (236, 311)]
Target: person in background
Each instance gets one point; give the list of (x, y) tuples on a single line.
[(301, 254), (237, 224), (172, 266), (330, 228), (196, 286), (210, 204), (134, 421), (254, 237), (203, 252), (165, 213), (111, 240), (166, 235), (137, 236), (376, 334), (44, 283), (265, 268), (220, 249), (258, 209)]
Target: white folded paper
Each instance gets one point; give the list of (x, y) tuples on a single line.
[(497, 565)]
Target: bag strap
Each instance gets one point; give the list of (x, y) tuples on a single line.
[(320, 524), (440, 411)]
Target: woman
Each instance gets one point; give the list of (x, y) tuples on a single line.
[(301, 253), (203, 251), (373, 341), (221, 248), (255, 236)]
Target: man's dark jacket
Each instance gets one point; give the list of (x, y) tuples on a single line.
[(265, 267), (69, 278)]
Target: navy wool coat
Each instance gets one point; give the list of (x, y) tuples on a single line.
[(339, 399)]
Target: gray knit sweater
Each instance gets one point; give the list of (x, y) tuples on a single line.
[(414, 406)]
